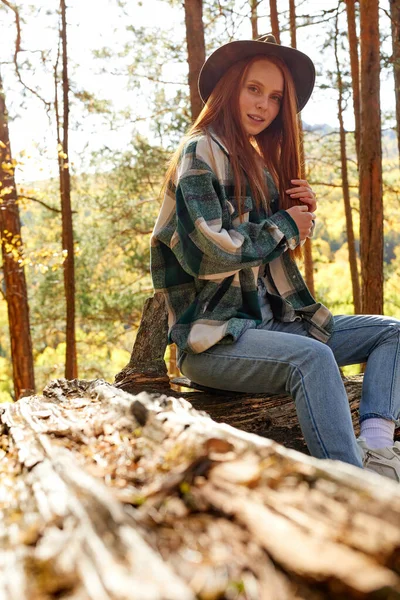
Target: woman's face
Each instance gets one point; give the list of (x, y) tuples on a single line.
[(261, 96)]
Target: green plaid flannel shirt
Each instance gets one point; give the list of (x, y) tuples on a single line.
[(206, 261)]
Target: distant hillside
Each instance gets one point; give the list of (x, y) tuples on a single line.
[(389, 138)]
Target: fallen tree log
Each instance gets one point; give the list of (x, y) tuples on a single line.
[(106, 495)]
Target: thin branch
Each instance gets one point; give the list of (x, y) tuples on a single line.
[(159, 112), (20, 196), (56, 107), (136, 230), (18, 26), (333, 185), (390, 188), (324, 135), (387, 13), (154, 79), (17, 50)]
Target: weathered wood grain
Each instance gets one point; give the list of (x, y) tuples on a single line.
[(109, 495)]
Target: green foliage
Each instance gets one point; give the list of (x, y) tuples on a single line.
[(114, 213), (330, 252), (6, 389), (92, 103)]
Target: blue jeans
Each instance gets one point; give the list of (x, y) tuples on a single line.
[(283, 358)]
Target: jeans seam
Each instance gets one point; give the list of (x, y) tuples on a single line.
[(241, 357), (373, 415), (311, 416), (297, 368), (394, 374), (357, 327)]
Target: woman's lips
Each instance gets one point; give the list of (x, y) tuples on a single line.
[(256, 118)]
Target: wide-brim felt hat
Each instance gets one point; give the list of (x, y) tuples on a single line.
[(299, 64)]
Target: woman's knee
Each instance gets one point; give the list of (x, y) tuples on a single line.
[(317, 354), (391, 330), (316, 363)]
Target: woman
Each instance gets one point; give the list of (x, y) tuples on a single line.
[(234, 216)]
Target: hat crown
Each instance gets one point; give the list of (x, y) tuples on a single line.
[(268, 37)]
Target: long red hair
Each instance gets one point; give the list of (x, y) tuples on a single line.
[(276, 147)]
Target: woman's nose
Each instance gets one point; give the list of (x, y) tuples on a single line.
[(262, 102)]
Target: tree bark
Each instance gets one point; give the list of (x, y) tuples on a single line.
[(15, 289), (355, 71), (196, 50), (254, 19), (292, 23), (307, 248), (118, 493), (274, 20), (71, 365), (370, 168), (345, 187), (395, 17), (146, 368)]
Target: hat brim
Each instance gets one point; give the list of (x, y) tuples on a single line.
[(299, 64)]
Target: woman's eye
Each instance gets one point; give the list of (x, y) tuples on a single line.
[(253, 88), (277, 99)]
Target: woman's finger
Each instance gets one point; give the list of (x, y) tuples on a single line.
[(311, 203), (305, 188), (305, 193), (299, 181)]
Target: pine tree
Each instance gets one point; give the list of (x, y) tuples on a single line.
[(371, 204), (15, 289)]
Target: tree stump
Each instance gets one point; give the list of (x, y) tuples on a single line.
[(146, 368), (111, 496)]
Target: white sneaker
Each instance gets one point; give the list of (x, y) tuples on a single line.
[(385, 461)]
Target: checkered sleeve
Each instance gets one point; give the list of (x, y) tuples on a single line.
[(208, 242)]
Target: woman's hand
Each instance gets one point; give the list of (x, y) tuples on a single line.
[(304, 193), (303, 219)]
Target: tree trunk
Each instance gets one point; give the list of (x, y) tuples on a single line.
[(274, 20), (371, 205), (16, 294), (292, 23), (395, 16), (355, 71), (196, 50), (254, 19), (71, 366), (345, 187), (307, 248), (120, 493)]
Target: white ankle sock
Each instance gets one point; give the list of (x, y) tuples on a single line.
[(378, 433)]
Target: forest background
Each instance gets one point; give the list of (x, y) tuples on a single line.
[(124, 76)]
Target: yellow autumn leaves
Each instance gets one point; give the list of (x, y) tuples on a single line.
[(63, 156)]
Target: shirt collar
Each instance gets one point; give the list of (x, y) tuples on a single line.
[(218, 140)]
